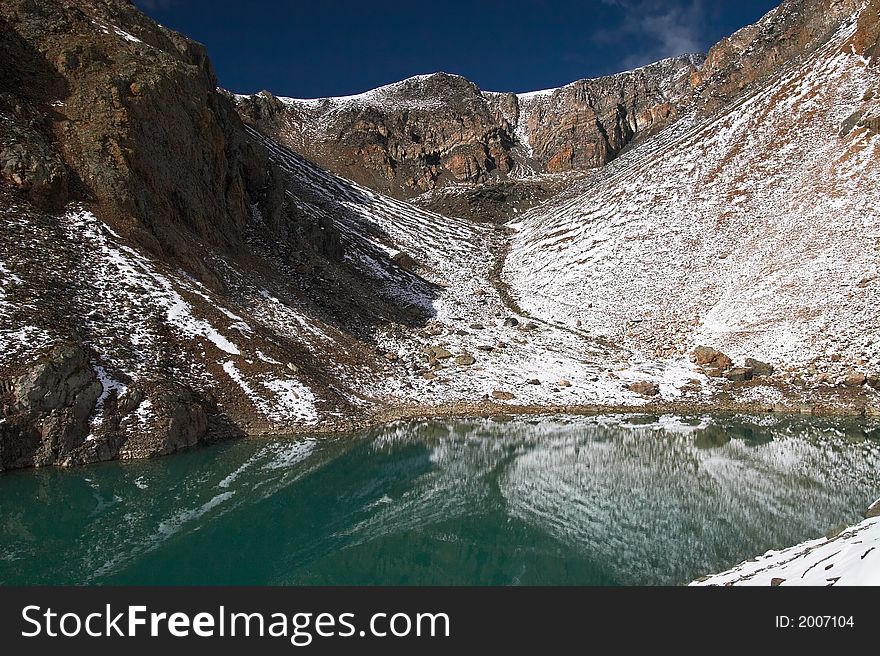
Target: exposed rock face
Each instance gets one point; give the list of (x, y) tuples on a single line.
[(102, 108), (585, 124), (793, 29), (100, 94), (48, 415), (428, 131), (46, 411), (404, 139)]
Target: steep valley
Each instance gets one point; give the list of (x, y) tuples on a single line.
[(181, 264)]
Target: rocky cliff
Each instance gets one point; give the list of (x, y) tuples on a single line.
[(434, 130), (438, 130), (115, 144)]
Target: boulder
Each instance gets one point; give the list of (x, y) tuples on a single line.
[(834, 532), (739, 374), (436, 352), (465, 359), (644, 387), (759, 368), (708, 356), (405, 261), (501, 395), (855, 379)]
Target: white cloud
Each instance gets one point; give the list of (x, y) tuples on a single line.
[(657, 29)]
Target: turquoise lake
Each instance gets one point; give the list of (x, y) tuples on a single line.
[(610, 500)]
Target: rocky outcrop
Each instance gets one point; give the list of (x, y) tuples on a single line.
[(58, 412), (99, 94), (793, 29), (101, 108), (403, 139), (46, 410), (587, 123), (426, 132)]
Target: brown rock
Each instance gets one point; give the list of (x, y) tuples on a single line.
[(855, 379), (437, 352), (739, 374), (405, 261), (501, 395), (644, 387), (465, 360), (759, 368), (832, 533), (707, 356)]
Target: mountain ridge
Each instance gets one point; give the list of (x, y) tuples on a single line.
[(172, 273), (431, 130)]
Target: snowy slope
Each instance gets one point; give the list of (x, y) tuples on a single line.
[(755, 232), (265, 344), (457, 257)]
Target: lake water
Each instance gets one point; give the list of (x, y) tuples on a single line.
[(635, 500)]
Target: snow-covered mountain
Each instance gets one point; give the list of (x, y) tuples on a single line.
[(171, 274), (435, 130), (753, 230)]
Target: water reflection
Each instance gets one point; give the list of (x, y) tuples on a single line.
[(553, 500)]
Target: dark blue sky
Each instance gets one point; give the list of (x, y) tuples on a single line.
[(316, 48)]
